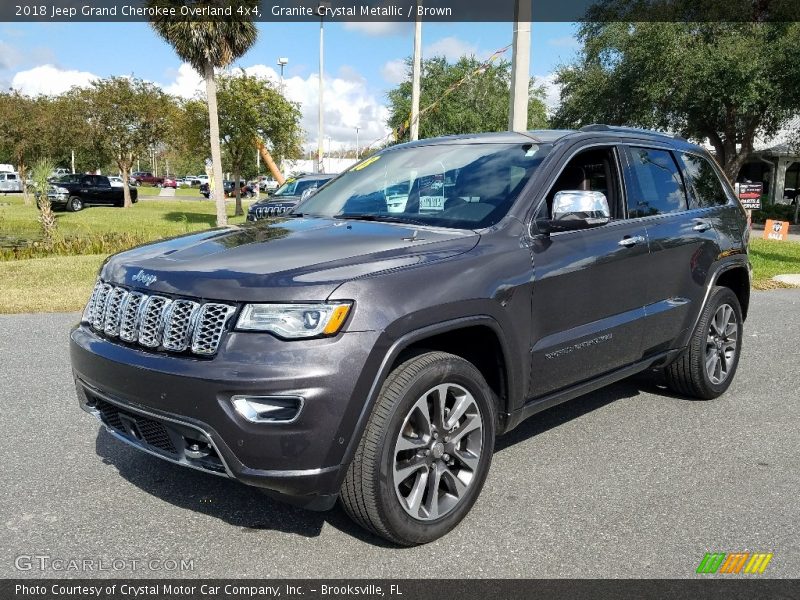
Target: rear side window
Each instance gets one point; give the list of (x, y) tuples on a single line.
[(657, 186), (704, 182)]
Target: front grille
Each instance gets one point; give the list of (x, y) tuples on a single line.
[(157, 322), (137, 426), (263, 212)]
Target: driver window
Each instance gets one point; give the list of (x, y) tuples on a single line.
[(591, 170)]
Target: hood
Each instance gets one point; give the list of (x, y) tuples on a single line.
[(286, 260)]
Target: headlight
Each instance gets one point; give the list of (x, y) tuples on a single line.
[(61, 190), (294, 321)]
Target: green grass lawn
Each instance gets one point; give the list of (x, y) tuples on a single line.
[(63, 283), (770, 258), (152, 219)]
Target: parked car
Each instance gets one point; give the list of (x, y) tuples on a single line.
[(287, 196), (10, 182), (115, 181), (170, 182), (195, 180), (346, 351), (6, 168), (146, 178), (59, 172), (74, 192), (229, 187)]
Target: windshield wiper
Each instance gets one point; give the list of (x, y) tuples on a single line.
[(381, 218)]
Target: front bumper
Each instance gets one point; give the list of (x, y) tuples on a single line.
[(165, 404)]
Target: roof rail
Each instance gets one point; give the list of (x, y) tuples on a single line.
[(623, 129)]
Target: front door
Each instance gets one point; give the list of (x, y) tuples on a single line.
[(588, 294)]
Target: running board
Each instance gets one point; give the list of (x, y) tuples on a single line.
[(537, 405)]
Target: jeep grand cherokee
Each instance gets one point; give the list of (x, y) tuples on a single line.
[(351, 351)]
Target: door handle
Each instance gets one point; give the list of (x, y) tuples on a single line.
[(702, 226), (631, 241)]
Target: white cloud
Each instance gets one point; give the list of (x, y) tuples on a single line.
[(187, 84), (451, 48), (379, 28), (394, 71), (47, 79), (348, 103), (552, 90), (567, 41)]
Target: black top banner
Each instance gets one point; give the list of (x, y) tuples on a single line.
[(278, 11)]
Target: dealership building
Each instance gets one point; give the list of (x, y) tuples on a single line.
[(776, 163)]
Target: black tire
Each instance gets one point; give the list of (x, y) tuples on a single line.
[(689, 375), (74, 204), (368, 493)]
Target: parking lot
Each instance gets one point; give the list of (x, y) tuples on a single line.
[(626, 482)]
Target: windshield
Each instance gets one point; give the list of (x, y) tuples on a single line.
[(464, 186), (296, 187)]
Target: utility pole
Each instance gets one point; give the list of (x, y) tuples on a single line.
[(320, 150), (73, 162), (415, 78), (358, 147), (520, 67)]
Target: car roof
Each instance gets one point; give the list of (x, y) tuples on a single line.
[(544, 136)]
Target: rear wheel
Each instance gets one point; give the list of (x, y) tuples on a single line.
[(426, 450), (74, 204), (707, 366)]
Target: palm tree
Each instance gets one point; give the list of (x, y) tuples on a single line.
[(209, 45)]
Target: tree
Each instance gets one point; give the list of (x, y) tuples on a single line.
[(727, 82), (126, 116), (250, 109), (21, 134), (47, 219), (479, 104), (207, 45)]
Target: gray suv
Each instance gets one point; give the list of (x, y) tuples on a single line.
[(371, 344)]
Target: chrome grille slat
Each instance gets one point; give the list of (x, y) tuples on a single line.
[(179, 324), (114, 305), (157, 322), (151, 323), (99, 308), (128, 327), (211, 323)]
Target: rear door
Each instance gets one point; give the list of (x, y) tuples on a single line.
[(683, 242), (588, 296), (105, 192)]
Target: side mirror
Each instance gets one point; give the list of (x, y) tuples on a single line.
[(576, 209)]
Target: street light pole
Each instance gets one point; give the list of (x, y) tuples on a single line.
[(282, 62), (358, 147), (415, 78), (520, 67)]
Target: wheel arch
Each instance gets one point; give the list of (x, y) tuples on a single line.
[(737, 279), (443, 337)]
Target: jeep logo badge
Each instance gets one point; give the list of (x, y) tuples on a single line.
[(145, 278)]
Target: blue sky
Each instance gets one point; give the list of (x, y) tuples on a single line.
[(363, 61)]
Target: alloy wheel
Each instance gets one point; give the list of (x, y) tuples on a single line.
[(437, 452), (721, 344)]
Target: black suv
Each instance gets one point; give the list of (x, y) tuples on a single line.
[(287, 196), (74, 192), (371, 344)]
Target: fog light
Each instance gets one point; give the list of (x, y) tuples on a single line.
[(268, 409)]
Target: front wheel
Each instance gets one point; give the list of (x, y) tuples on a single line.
[(707, 366), (74, 204), (425, 453)]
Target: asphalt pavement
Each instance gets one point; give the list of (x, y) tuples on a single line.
[(629, 481)]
